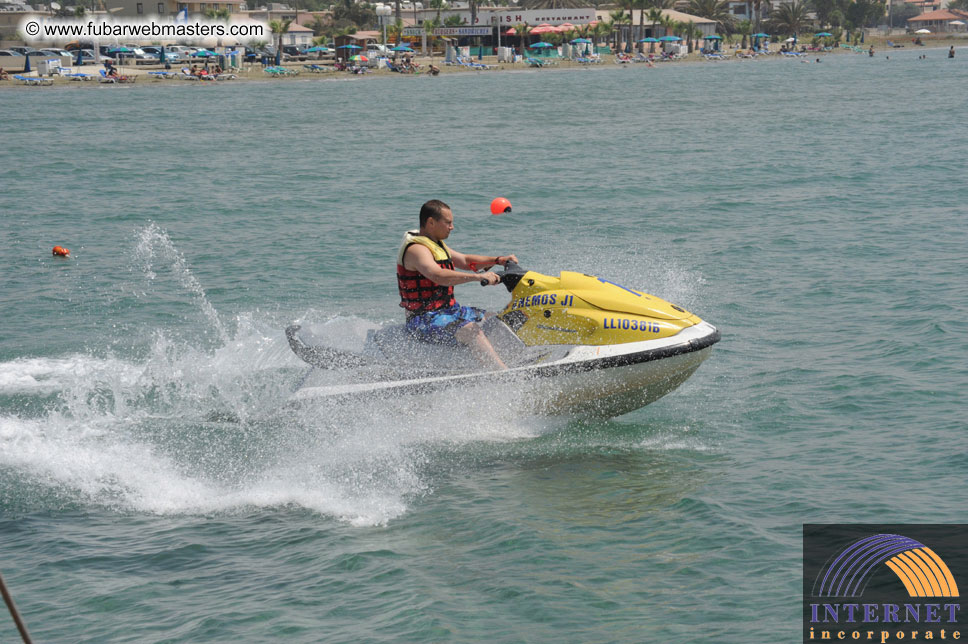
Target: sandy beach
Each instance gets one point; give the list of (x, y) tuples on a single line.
[(933, 45)]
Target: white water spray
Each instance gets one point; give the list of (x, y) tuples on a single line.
[(154, 244)]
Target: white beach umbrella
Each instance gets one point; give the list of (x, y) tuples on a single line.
[(923, 31), (956, 22)]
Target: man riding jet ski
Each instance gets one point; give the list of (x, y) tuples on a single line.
[(426, 277), (572, 344)]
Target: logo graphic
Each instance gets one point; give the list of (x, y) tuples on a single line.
[(919, 568), (883, 583)]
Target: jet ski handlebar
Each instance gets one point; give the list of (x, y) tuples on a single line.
[(510, 277)]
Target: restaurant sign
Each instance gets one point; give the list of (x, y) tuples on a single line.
[(538, 16)]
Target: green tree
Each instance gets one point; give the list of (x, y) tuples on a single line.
[(823, 9), (745, 29), (618, 19), (279, 28), (522, 30), (717, 10), (790, 17)]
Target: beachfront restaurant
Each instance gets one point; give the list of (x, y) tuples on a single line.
[(940, 21)]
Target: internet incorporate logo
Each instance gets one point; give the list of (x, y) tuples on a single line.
[(893, 572), (922, 572)]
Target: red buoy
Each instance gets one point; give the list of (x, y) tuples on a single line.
[(500, 206), (60, 251)]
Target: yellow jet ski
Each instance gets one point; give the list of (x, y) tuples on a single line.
[(575, 344)]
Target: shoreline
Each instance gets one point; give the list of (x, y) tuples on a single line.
[(254, 72)]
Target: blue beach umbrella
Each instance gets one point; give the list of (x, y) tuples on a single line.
[(541, 45), (581, 41), (761, 35), (161, 55), (80, 58), (203, 52), (823, 34), (713, 37), (315, 49), (649, 39), (670, 39), (349, 47), (402, 48), (27, 64)]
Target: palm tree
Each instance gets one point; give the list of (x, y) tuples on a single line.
[(745, 29), (523, 30), (395, 31), (618, 19), (717, 10), (601, 30), (790, 17), (278, 29), (628, 5)]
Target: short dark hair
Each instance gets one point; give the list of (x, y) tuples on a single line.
[(433, 208)]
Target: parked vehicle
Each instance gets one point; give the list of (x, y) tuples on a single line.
[(10, 52), (53, 51), (374, 50), (87, 57), (171, 56), (27, 51), (294, 52)]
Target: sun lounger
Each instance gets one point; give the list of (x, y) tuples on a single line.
[(162, 74), (224, 76), (471, 64), (33, 80), (104, 78)]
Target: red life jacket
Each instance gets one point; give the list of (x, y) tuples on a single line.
[(417, 293)]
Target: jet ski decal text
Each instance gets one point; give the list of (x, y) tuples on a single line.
[(630, 325), (547, 299)]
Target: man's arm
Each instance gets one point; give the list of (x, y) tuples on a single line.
[(419, 258), (474, 262)]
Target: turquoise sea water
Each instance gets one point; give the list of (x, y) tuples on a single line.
[(153, 489)]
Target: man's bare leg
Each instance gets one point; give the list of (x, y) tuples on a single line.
[(472, 336)]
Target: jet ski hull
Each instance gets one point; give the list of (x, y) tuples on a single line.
[(588, 381)]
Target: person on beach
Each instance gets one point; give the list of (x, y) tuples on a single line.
[(434, 70), (3, 75), (428, 270), (870, 52), (951, 52)]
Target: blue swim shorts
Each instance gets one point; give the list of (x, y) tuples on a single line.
[(440, 326)]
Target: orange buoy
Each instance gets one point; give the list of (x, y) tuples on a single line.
[(500, 206), (60, 251)]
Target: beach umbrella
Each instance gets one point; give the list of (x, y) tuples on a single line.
[(80, 58), (359, 58), (545, 28), (923, 31), (713, 37), (956, 22), (541, 45), (349, 47), (161, 55), (402, 48), (823, 34), (120, 50), (316, 48), (763, 35), (27, 64), (649, 39), (670, 39), (584, 41), (203, 52)]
